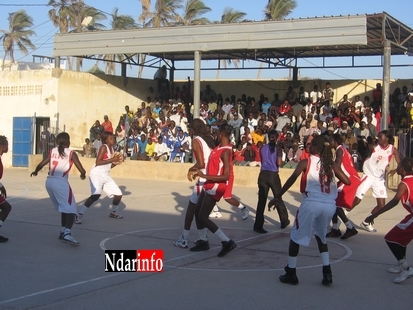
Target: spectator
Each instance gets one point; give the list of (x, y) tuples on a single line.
[(265, 107), (252, 108), (88, 150), (107, 124), (161, 77), (238, 157), (356, 156), (328, 96), (377, 96), (97, 143), (236, 123), (257, 160), (209, 95), (95, 129), (290, 95), (293, 156), (150, 149), (315, 96), (249, 155), (302, 97), (161, 151)]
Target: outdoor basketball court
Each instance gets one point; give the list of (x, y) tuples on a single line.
[(39, 271)]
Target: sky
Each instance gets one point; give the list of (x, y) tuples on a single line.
[(399, 9)]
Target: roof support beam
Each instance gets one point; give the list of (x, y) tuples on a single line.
[(386, 85), (197, 83)]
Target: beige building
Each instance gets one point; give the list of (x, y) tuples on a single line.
[(72, 101)]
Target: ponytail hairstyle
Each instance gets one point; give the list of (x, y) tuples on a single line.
[(407, 164), (272, 137), (200, 129), (323, 146), (62, 141)]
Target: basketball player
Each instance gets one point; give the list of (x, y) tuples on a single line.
[(60, 160), (346, 193), (400, 235), (100, 179), (374, 169), (218, 173), (5, 207), (319, 190)]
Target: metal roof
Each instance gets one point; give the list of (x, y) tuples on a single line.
[(355, 35)]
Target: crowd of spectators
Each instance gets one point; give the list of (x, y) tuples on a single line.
[(159, 129)]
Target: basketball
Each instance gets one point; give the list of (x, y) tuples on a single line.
[(120, 161)]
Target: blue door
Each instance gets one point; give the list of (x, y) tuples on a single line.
[(22, 141)]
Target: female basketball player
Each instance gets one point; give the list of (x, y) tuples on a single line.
[(319, 190), (60, 160), (5, 207), (100, 178)]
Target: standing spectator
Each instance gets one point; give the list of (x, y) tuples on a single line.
[(328, 96), (269, 179), (226, 107), (252, 108), (96, 129), (290, 95), (107, 124), (315, 96), (319, 193), (377, 96), (161, 77), (265, 107), (302, 96), (209, 95), (97, 143), (236, 124), (57, 184), (5, 207)]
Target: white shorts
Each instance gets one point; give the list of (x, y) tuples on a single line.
[(312, 216), (61, 195), (378, 187), (196, 191), (104, 182)]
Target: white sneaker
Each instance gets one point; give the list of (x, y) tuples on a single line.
[(395, 269), (215, 214), (181, 242), (245, 213), (369, 227), (78, 219), (67, 238), (406, 273)]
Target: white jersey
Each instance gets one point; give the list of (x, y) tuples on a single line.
[(205, 150), (313, 188), (59, 166), (103, 168), (375, 165)]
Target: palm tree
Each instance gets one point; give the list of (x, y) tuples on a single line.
[(192, 13), (230, 16), (165, 14), (279, 9), (118, 22), (17, 34)]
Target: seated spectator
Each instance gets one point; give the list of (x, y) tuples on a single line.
[(180, 144), (252, 122), (305, 131), (96, 129), (107, 124), (237, 156), (350, 139), (265, 107), (258, 136), (97, 143), (257, 160), (161, 152), (88, 150), (150, 149), (324, 115), (210, 120), (247, 135), (306, 152), (357, 159), (293, 156), (249, 155)]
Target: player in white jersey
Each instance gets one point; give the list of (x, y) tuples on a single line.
[(319, 190), (100, 179), (374, 173), (60, 160)]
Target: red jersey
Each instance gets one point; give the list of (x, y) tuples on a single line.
[(347, 163), (215, 164), (238, 155), (407, 198)]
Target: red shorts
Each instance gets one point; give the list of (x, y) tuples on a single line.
[(230, 185), (402, 233), (2, 199), (215, 190), (347, 193)]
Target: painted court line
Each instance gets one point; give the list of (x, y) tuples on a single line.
[(102, 245)]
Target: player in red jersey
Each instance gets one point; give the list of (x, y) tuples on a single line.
[(400, 235), (346, 193), (218, 172), (5, 207)]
